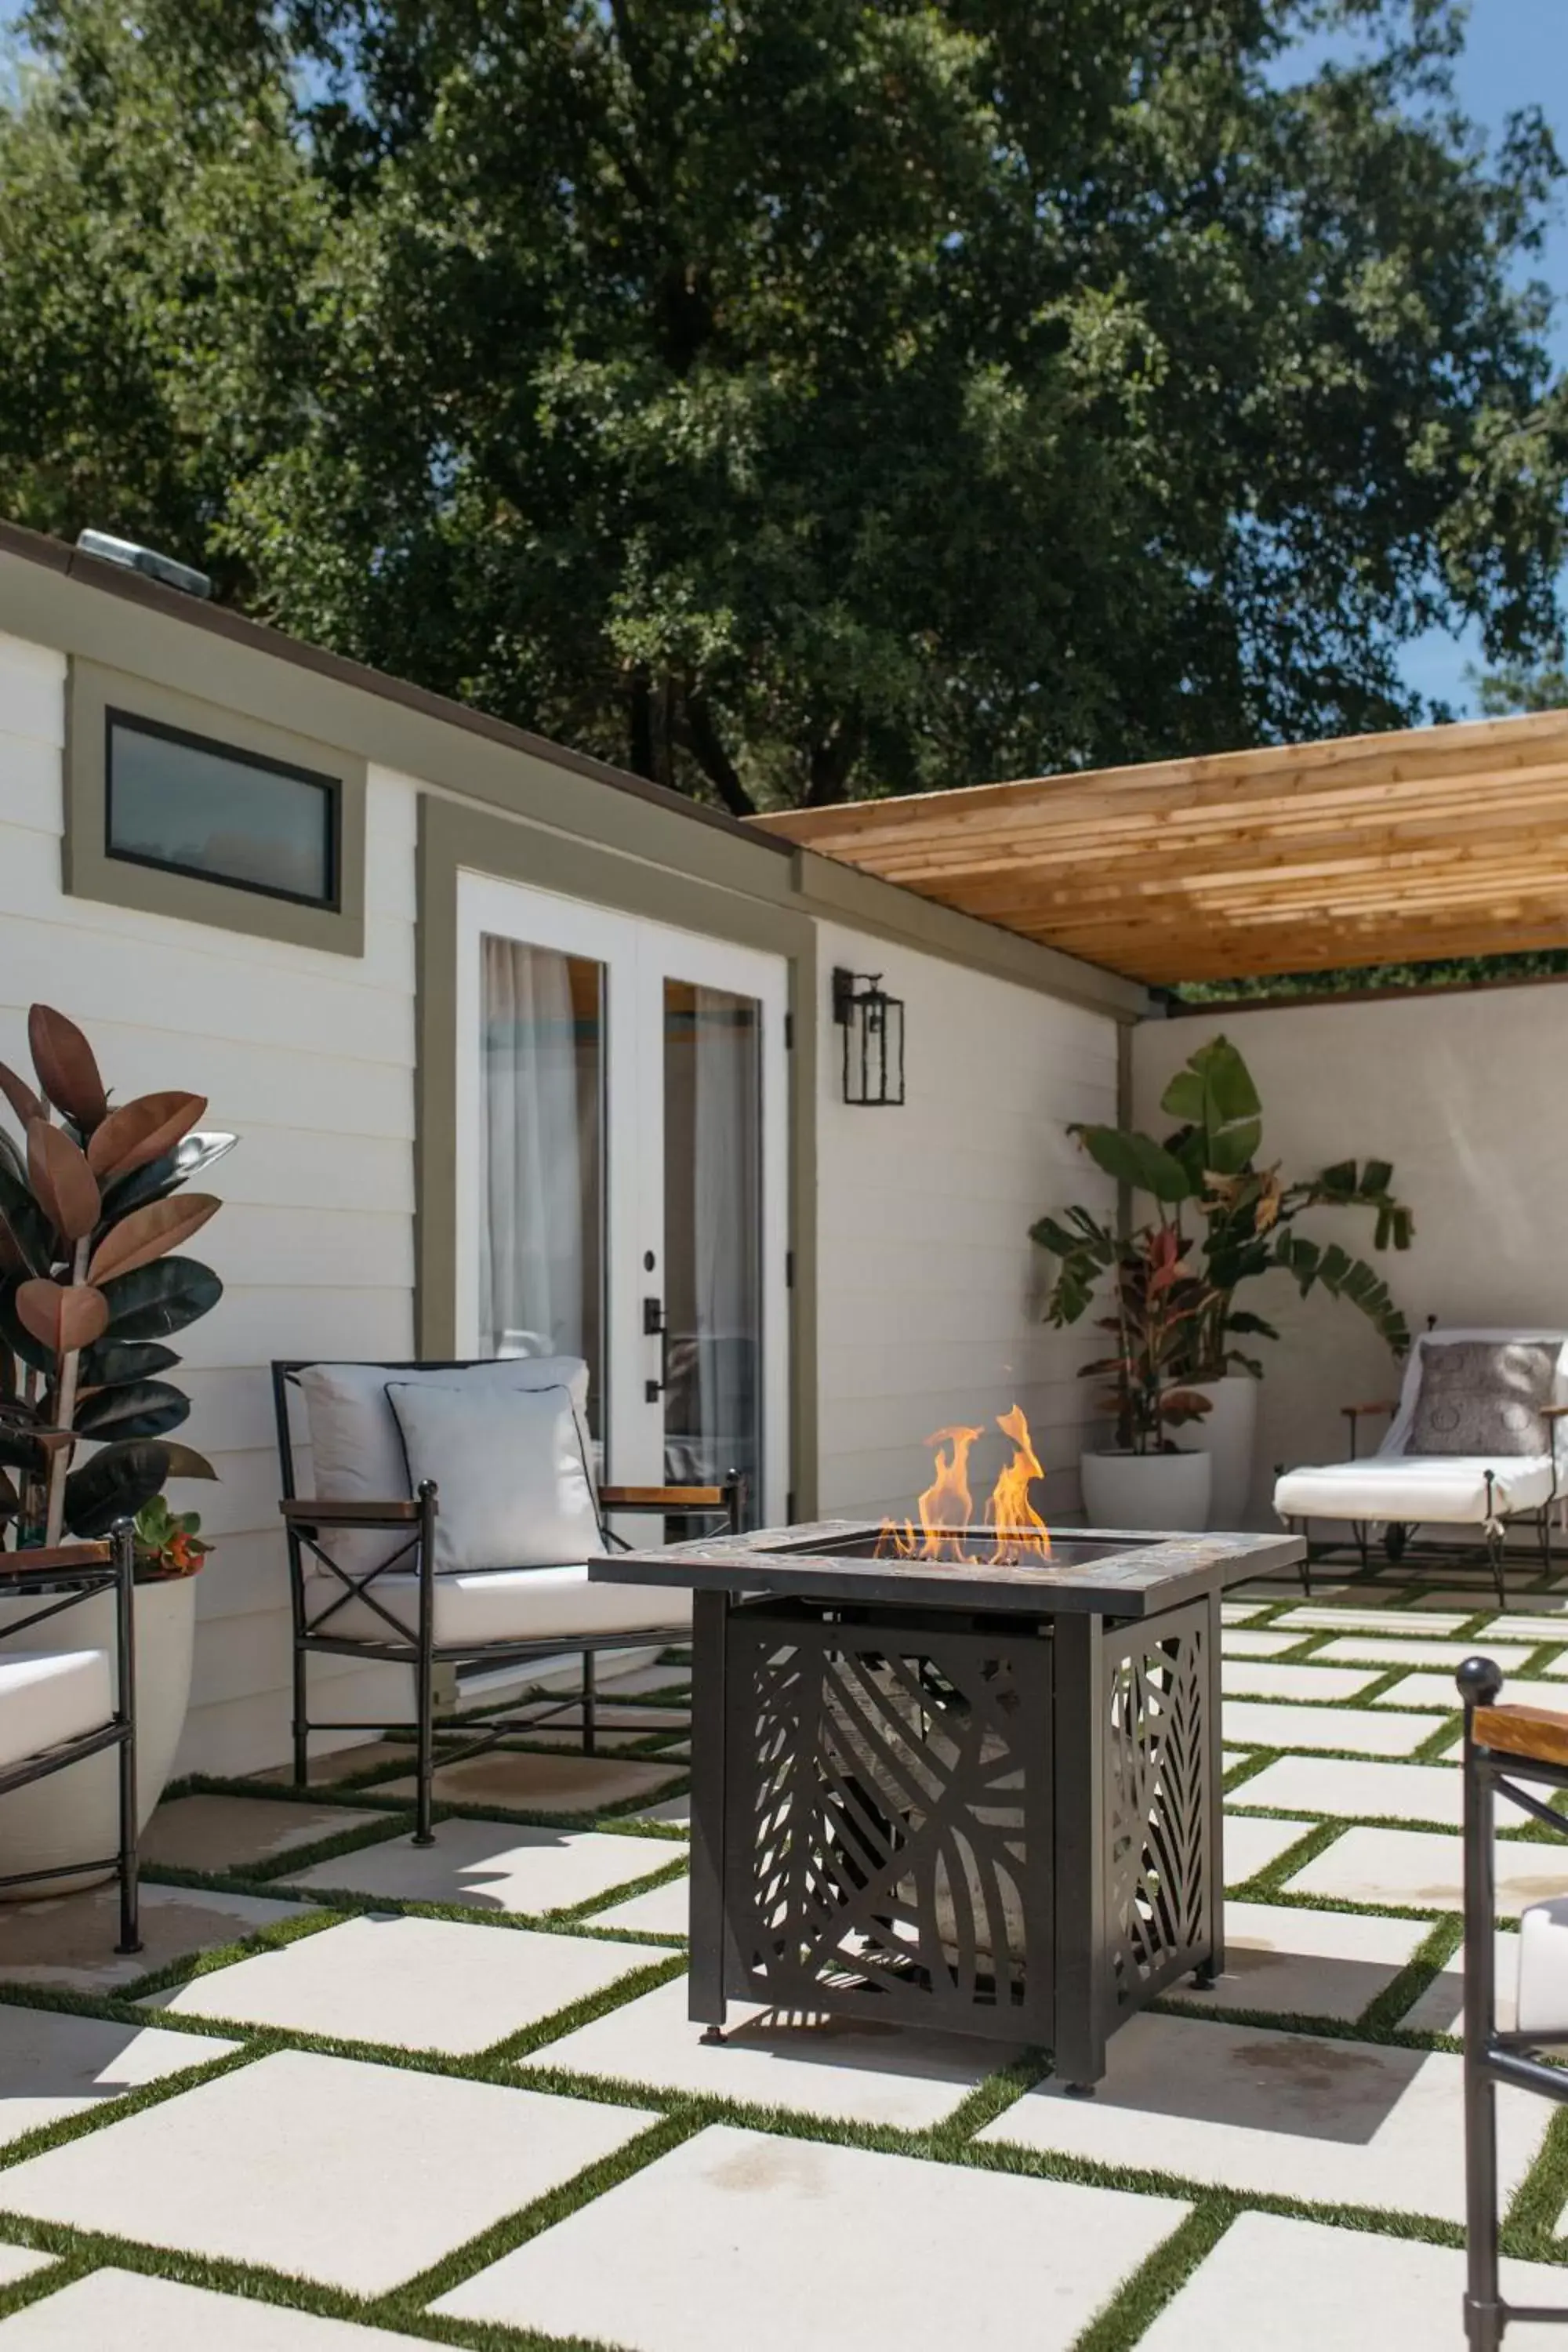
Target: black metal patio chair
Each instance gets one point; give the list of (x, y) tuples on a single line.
[(59, 1706), (403, 1611), (1505, 1747)]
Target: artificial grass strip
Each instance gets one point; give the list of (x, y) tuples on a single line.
[(1260, 1887), (107, 2112), (1420, 1972), (496, 2064), (1140, 2298), (353, 1901), (666, 2133), (269, 1938), (1537, 2204)]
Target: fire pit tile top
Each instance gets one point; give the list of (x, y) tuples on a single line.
[(1100, 1571)]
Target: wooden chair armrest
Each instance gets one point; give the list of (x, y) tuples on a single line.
[(55, 1556), (300, 1511), (1535, 1732), (1354, 1411), (664, 1498), (1554, 1412)]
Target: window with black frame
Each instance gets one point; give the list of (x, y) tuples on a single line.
[(185, 804)]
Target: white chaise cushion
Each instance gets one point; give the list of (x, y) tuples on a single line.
[(1543, 1968), (523, 1604), (357, 1452), (49, 1696), (1414, 1488), (513, 1488)]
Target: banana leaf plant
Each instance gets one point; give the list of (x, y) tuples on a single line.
[(1157, 1299), (91, 1284), (1206, 1185)]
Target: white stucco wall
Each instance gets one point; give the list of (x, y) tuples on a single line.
[(929, 1287), (308, 1058), (1459, 1091)]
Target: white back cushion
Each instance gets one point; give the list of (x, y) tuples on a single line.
[(511, 1473), (357, 1448)]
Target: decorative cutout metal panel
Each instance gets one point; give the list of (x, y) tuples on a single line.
[(1158, 1796), (887, 1828)]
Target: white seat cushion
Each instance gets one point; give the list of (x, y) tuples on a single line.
[(1415, 1487), (49, 1696), (508, 1604), (1543, 1968)]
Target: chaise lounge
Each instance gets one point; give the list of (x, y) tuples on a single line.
[(1476, 1439)]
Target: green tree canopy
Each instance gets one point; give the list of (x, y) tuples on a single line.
[(1517, 687), (790, 398)]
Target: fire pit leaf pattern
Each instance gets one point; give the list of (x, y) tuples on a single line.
[(888, 1805), (1159, 1801)]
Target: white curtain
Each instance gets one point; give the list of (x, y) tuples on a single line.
[(530, 1212), (724, 1236)]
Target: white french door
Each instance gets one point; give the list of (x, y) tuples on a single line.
[(622, 1177)]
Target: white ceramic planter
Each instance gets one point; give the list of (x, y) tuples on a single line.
[(1227, 1433), (74, 1816), (1164, 1491)]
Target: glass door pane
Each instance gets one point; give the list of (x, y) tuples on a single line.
[(542, 1158), (713, 1235)]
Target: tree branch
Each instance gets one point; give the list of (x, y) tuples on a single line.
[(702, 741), (639, 725), (831, 760)]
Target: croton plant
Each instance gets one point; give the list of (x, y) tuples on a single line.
[(92, 1283)]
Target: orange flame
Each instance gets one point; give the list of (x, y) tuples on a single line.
[(1013, 1529), (1021, 1533)]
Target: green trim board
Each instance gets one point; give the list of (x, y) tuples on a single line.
[(91, 871), (455, 839), (53, 596)]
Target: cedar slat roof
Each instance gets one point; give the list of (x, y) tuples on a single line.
[(1437, 841)]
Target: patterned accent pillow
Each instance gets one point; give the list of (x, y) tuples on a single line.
[(1484, 1396)]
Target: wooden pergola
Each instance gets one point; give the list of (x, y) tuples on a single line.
[(1437, 840)]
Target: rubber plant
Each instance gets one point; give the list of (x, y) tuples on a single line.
[(1205, 1182), (92, 1218)]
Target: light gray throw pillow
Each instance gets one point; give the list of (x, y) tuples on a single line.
[(1484, 1396), (513, 1486), (357, 1452)]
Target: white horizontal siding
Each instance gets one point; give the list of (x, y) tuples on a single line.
[(284, 1167), (930, 1290), (31, 872), (308, 1058)]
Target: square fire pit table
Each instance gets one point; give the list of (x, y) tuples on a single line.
[(982, 1794)]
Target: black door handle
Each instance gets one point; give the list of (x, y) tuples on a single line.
[(656, 1326)]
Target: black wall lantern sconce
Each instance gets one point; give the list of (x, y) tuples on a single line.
[(873, 1026)]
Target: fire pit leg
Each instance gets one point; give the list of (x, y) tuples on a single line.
[(1213, 1862), (1078, 1720), (706, 2003)]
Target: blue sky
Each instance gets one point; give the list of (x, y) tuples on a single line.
[(1516, 55)]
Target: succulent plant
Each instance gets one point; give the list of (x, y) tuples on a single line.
[(91, 1284)]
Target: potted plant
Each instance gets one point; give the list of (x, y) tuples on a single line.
[(1148, 1480), (91, 1284), (1208, 1183)]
